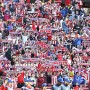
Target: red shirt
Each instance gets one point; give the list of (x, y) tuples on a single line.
[(76, 88), (59, 15), (67, 2), (52, 68), (89, 82), (1, 70), (5, 88), (39, 65), (19, 20), (21, 78), (59, 57), (27, 1), (40, 81), (6, 17), (33, 27), (58, 1), (2, 87), (49, 37)]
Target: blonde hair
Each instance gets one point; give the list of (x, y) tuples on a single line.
[(44, 88)]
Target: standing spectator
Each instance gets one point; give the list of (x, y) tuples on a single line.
[(20, 80), (1, 85), (66, 85), (34, 79), (10, 84), (40, 80), (76, 80), (44, 86), (58, 85), (28, 85)]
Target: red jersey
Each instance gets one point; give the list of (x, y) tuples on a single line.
[(21, 78)]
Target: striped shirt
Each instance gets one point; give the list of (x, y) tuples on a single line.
[(54, 80)]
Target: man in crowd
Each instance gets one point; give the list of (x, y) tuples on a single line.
[(58, 85), (20, 80), (10, 84), (28, 85), (66, 85)]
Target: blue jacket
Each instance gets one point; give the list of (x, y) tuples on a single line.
[(77, 80), (82, 81), (65, 27), (64, 12), (78, 41)]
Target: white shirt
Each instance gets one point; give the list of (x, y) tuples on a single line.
[(0, 35), (10, 88), (61, 21), (24, 39), (69, 61)]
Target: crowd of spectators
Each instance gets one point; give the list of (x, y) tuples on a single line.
[(36, 37)]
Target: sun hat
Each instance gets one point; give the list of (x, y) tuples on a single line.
[(10, 81), (28, 80), (44, 84), (60, 80), (67, 80)]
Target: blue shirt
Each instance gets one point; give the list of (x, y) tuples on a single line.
[(78, 41), (76, 80), (9, 27), (65, 87), (56, 87), (63, 12)]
